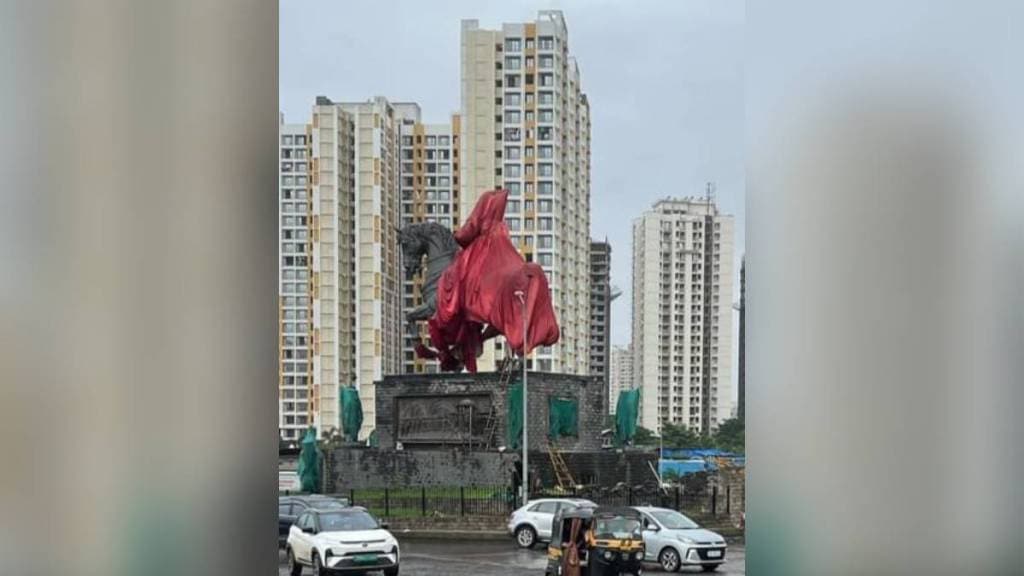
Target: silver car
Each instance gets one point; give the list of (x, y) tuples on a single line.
[(673, 540), (532, 523)]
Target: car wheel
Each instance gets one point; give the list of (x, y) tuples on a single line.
[(669, 559), (391, 571), (710, 567), (318, 566), (526, 536), (294, 568)]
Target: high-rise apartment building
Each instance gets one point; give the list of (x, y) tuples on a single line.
[(295, 272), (526, 128), (429, 181), (376, 270), (339, 218), (621, 374), (682, 313), (332, 246), (601, 296)]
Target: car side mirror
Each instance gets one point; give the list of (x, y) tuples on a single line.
[(309, 530)]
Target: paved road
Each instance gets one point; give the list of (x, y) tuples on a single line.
[(490, 558)]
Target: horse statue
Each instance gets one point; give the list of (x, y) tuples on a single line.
[(438, 244), (476, 287)]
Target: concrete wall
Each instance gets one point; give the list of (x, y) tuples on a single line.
[(359, 467), (356, 467), (591, 395)]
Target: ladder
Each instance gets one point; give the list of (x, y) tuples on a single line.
[(508, 370), (562, 474)]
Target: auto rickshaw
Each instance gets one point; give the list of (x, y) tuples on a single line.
[(602, 541)]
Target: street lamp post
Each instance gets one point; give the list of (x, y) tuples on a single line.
[(526, 486)]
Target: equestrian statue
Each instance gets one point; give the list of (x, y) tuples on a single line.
[(476, 286)]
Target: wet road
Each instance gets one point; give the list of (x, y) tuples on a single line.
[(495, 558)]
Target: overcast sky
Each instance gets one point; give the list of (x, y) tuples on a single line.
[(665, 82)]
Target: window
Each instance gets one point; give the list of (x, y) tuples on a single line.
[(513, 206), (513, 99), (512, 152), (513, 117), (513, 224), (544, 206), (511, 134), (543, 508), (513, 63), (545, 241), (545, 169), (512, 81), (546, 43), (545, 133), (547, 97), (544, 223), (431, 140), (547, 79), (547, 115), (512, 170), (545, 259), (513, 44), (547, 61), (513, 188), (286, 140), (545, 151)]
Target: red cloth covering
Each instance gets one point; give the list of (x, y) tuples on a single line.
[(476, 294)]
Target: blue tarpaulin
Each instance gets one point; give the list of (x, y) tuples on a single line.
[(683, 467)]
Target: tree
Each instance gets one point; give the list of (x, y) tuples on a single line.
[(731, 436), (680, 437), (644, 437)]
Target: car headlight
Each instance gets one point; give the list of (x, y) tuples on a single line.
[(608, 555), (640, 555), (686, 540)]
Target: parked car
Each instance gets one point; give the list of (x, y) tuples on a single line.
[(673, 540), (290, 507), (532, 523), (341, 540)]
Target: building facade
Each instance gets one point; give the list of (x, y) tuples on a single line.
[(526, 128), (601, 296), (339, 222), (295, 272), (376, 268), (682, 314), (621, 374), (430, 192)]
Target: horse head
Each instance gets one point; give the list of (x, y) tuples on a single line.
[(414, 246)]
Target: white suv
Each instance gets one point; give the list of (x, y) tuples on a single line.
[(340, 540), (532, 523)]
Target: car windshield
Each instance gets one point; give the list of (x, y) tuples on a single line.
[(346, 521), (617, 527), (673, 520)]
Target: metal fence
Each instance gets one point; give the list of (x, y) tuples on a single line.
[(500, 501)]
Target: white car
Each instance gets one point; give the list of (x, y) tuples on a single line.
[(532, 523), (673, 540), (340, 540)]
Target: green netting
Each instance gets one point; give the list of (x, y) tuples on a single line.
[(563, 417), (626, 411), (309, 462), (514, 416), (351, 413)]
